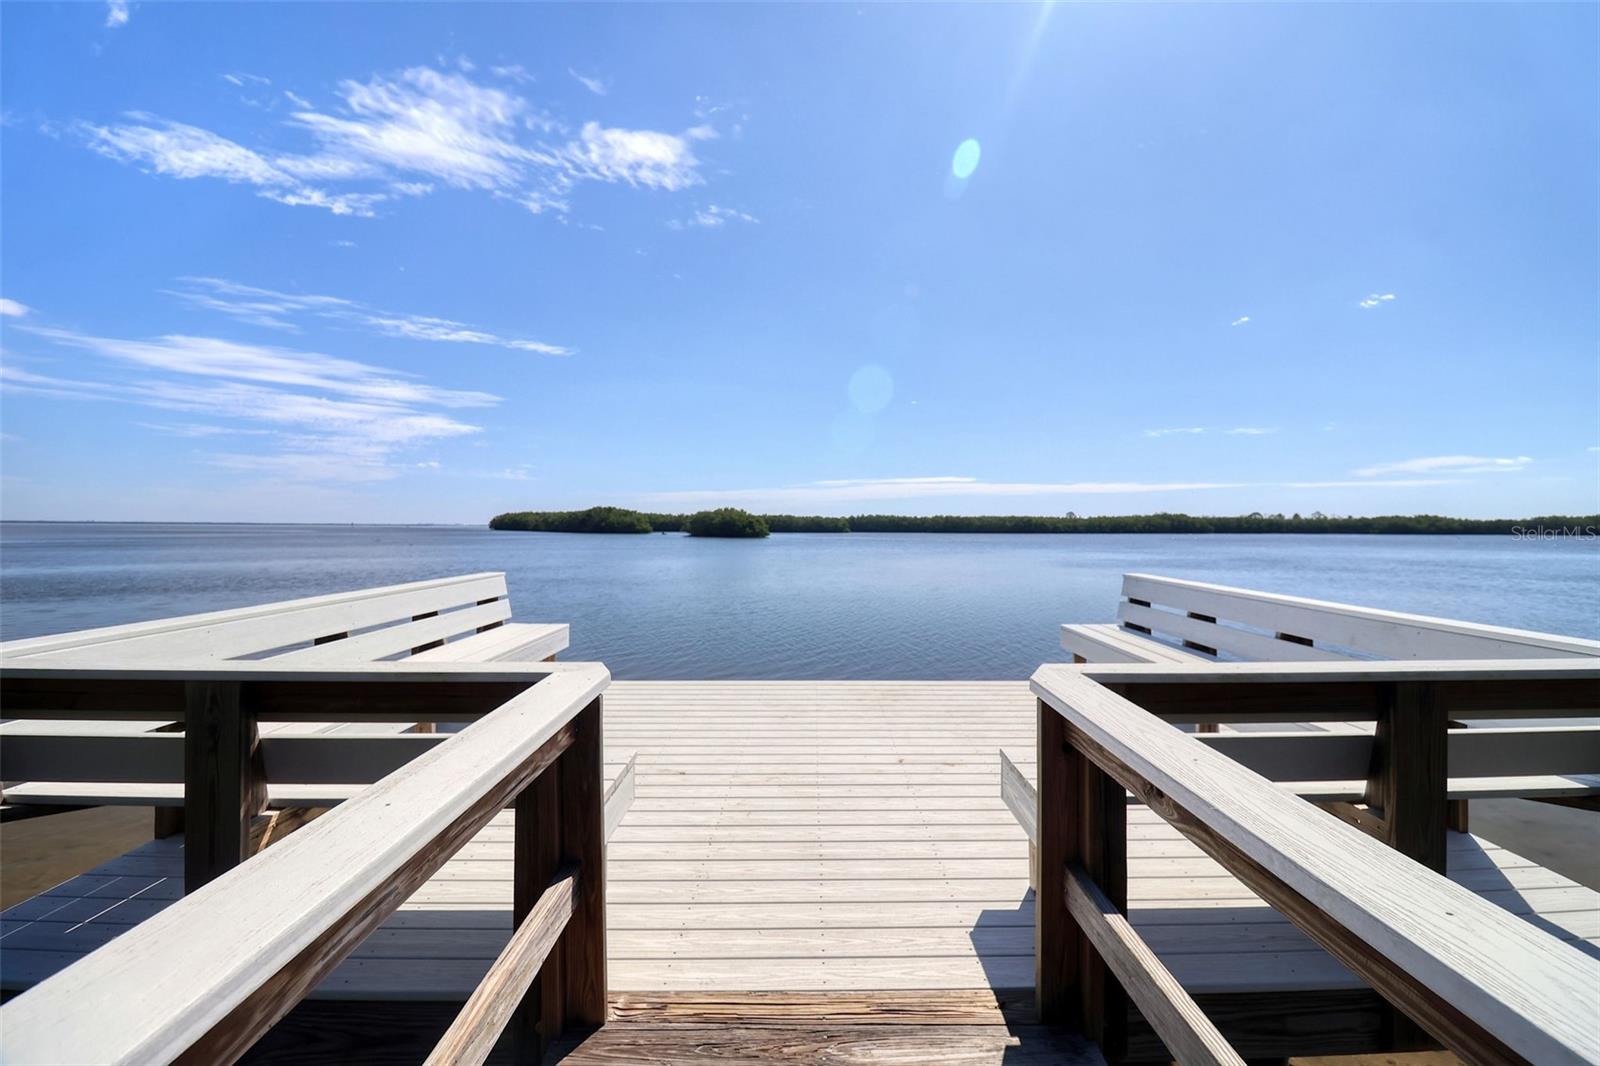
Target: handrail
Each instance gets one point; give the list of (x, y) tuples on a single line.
[(472, 1035), (1171, 1011), (204, 978), (1484, 982)]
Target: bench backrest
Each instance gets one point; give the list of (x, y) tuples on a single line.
[(362, 626), (1263, 626)]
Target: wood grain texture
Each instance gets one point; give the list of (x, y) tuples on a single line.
[(224, 788), (262, 947), (1176, 1018), (1473, 977), (473, 1034)]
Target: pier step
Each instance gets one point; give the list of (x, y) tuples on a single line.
[(955, 1028)]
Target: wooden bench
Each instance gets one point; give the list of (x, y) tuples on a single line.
[(48, 767), (1186, 623), (1163, 619), (1469, 971)]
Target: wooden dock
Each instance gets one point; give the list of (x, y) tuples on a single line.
[(798, 837), (849, 872)]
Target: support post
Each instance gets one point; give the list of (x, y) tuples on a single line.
[(583, 841), (223, 784), (1103, 854), (536, 853), (1056, 937), (1407, 784)]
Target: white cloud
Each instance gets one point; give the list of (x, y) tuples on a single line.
[(326, 418), (712, 217), (1375, 300), (1241, 320), (266, 307), (186, 152), (513, 72), (11, 308), (1251, 431), (1452, 464), (1176, 431), (243, 80), (297, 100), (401, 134), (116, 13), (594, 85)]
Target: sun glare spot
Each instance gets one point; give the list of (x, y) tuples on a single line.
[(871, 389), (965, 160)]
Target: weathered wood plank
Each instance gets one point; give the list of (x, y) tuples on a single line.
[(1423, 942), (473, 1034), (262, 951), (1183, 1027)]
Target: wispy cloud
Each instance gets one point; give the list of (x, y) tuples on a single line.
[(594, 85), (1241, 320), (1193, 431), (852, 491), (322, 417), (407, 133), (712, 217), (1452, 464), (279, 310), (1375, 300), (243, 80), (116, 13), (11, 308), (821, 493)]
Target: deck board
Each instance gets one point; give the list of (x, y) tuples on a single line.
[(794, 837)]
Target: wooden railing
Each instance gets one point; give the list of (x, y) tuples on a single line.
[(1482, 982), (203, 979)]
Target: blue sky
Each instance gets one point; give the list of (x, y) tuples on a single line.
[(428, 262)]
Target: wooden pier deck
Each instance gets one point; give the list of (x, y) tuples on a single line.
[(805, 837)]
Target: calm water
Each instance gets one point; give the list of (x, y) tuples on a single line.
[(799, 606)]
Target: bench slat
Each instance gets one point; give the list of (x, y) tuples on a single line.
[(1228, 639), (1389, 634), (252, 630), (393, 640)]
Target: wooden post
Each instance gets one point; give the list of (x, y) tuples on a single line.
[(583, 841), (1056, 937), (536, 852), (223, 786), (1103, 853), (1407, 784)]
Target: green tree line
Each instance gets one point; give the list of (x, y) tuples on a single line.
[(622, 520)]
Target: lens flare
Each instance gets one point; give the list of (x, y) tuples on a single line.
[(965, 160), (871, 389)]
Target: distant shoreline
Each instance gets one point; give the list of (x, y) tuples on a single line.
[(617, 520)]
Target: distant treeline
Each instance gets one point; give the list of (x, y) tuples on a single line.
[(621, 520)]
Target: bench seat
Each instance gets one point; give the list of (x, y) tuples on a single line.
[(1109, 642), (521, 642)]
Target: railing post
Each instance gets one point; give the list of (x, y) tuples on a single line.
[(1056, 937), (1103, 853), (223, 784), (1408, 782), (536, 853), (583, 841)]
